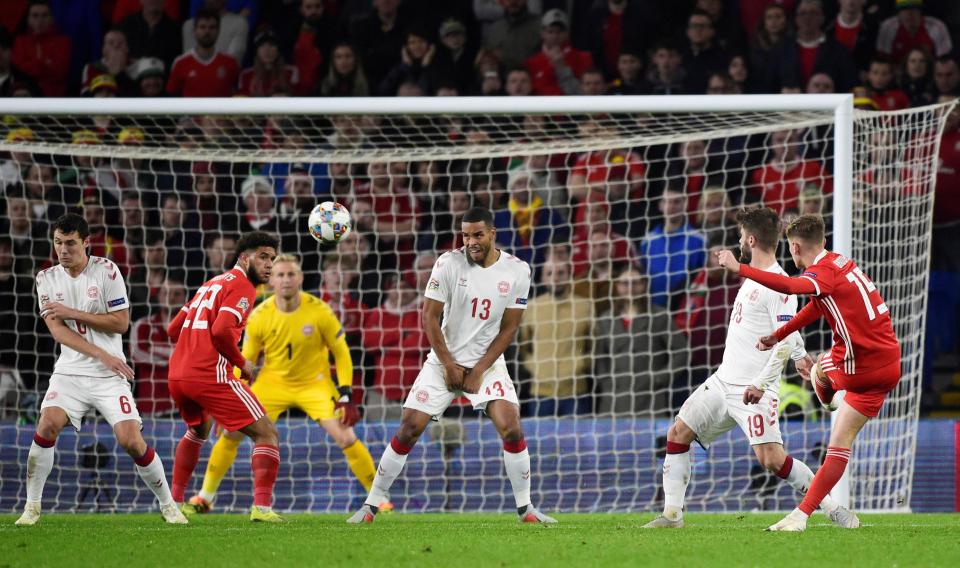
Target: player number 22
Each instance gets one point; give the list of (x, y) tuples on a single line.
[(484, 305), (204, 301)]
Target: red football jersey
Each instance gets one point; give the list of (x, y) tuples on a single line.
[(192, 77), (780, 188), (195, 357), (863, 336)]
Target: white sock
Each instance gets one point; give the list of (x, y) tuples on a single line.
[(207, 496), (153, 475), (676, 476), (391, 464), (800, 478), (39, 465), (518, 470)]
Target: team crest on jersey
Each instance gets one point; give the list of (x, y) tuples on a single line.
[(422, 396), (93, 292), (243, 304), (503, 287), (307, 330), (433, 284), (754, 295)]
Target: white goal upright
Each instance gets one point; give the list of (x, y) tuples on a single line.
[(615, 201)]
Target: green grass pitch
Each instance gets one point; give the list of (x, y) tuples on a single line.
[(134, 541)]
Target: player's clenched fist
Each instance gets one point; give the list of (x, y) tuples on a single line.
[(726, 259), (752, 395), (767, 342), (453, 377), (348, 411)]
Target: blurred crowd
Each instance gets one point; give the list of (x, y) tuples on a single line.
[(628, 309)]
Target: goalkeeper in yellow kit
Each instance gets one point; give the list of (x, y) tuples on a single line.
[(296, 332)]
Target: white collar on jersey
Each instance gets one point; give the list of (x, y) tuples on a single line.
[(820, 256)]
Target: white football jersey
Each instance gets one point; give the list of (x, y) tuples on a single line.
[(474, 299), (98, 289), (758, 312)]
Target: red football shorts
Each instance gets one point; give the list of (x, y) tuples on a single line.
[(866, 391), (230, 403)]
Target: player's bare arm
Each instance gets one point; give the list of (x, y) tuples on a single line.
[(432, 310), (509, 325), (70, 338), (111, 322)]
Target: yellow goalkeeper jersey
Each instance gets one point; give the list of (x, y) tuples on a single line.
[(296, 346)]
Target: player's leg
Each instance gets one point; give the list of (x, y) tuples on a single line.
[(40, 460), (356, 453), (187, 454), (505, 416), (822, 385), (676, 469), (265, 462), (149, 467)]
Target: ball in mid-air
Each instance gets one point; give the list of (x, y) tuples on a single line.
[(329, 223)]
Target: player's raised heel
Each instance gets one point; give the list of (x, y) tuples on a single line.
[(796, 521), (30, 516), (385, 507), (172, 515), (531, 515), (197, 505), (366, 514), (662, 522), (845, 518), (264, 515)]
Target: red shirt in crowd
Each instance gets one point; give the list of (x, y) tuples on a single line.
[(544, 77), (397, 338), (890, 99), (703, 317), (192, 77), (252, 86), (46, 58), (808, 58), (946, 202), (150, 350), (847, 35), (895, 41), (308, 60), (780, 188)]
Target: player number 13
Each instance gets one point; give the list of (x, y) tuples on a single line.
[(481, 308)]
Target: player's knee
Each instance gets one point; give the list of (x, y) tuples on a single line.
[(680, 433), (268, 434), (510, 432), (48, 429), (409, 433), (132, 443), (771, 462)]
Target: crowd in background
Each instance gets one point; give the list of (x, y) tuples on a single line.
[(628, 309)]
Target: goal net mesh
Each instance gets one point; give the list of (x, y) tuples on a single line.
[(618, 214)]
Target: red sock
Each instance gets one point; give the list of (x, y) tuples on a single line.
[(266, 462), (827, 476), (184, 462)]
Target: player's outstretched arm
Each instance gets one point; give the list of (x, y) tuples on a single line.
[(66, 336), (430, 317), (509, 324), (777, 282), (111, 322)]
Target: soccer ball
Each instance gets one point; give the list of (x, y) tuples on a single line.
[(329, 223)]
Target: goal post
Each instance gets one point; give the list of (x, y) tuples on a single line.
[(405, 167)]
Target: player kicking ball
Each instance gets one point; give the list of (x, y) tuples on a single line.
[(481, 292), (202, 383), (83, 301), (744, 390), (864, 359), (296, 332)]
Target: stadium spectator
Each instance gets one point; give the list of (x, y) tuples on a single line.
[(339, 290), (820, 83), (310, 38), (602, 255), (102, 242), (666, 75), (133, 223), (233, 31), (345, 77), (417, 65), (269, 74), (29, 239), (629, 76), (204, 71), (293, 214), (592, 83), (259, 205), (392, 334), (152, 33), (772, 28), (739, 73), (151, 347), (777, 184), (515, 35), (22, 346), (611, 30), (114, 62), (715, 218), (41, 52), (181, 238), (638, 350), (47, 199), (705, 311), (700, 54), (946, 76), (125, 8), (149, 76), (547, 182), (882, 87), (379, 38), (554, 346), (394, 214), (719, 83), (584, 255), (916, 78), (518, 83), (795, 60), (219, 250), (909, 29), (671, 250), (946, 203), (527, 225), (456, 56), (557, 67), (215, 207), (11, 78), (855, 31), (423, 265), (144, 280), (689, 172)]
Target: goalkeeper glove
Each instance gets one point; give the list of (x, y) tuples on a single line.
[(349, 413)]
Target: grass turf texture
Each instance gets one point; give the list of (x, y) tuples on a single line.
[(488, 540)]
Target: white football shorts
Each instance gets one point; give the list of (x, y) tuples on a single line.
[(431, 396), (716, 407), (76, 395)]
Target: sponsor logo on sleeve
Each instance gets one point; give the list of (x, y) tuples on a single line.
[(433, 284), (521, 301), (243, 305), (117, 302), (784, 317), (811, 275)]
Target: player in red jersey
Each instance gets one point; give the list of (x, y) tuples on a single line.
[(864, 360), (201, 375)]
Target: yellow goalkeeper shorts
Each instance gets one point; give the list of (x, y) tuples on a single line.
[(316, 399)]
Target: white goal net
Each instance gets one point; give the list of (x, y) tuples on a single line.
[(617, 211)]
